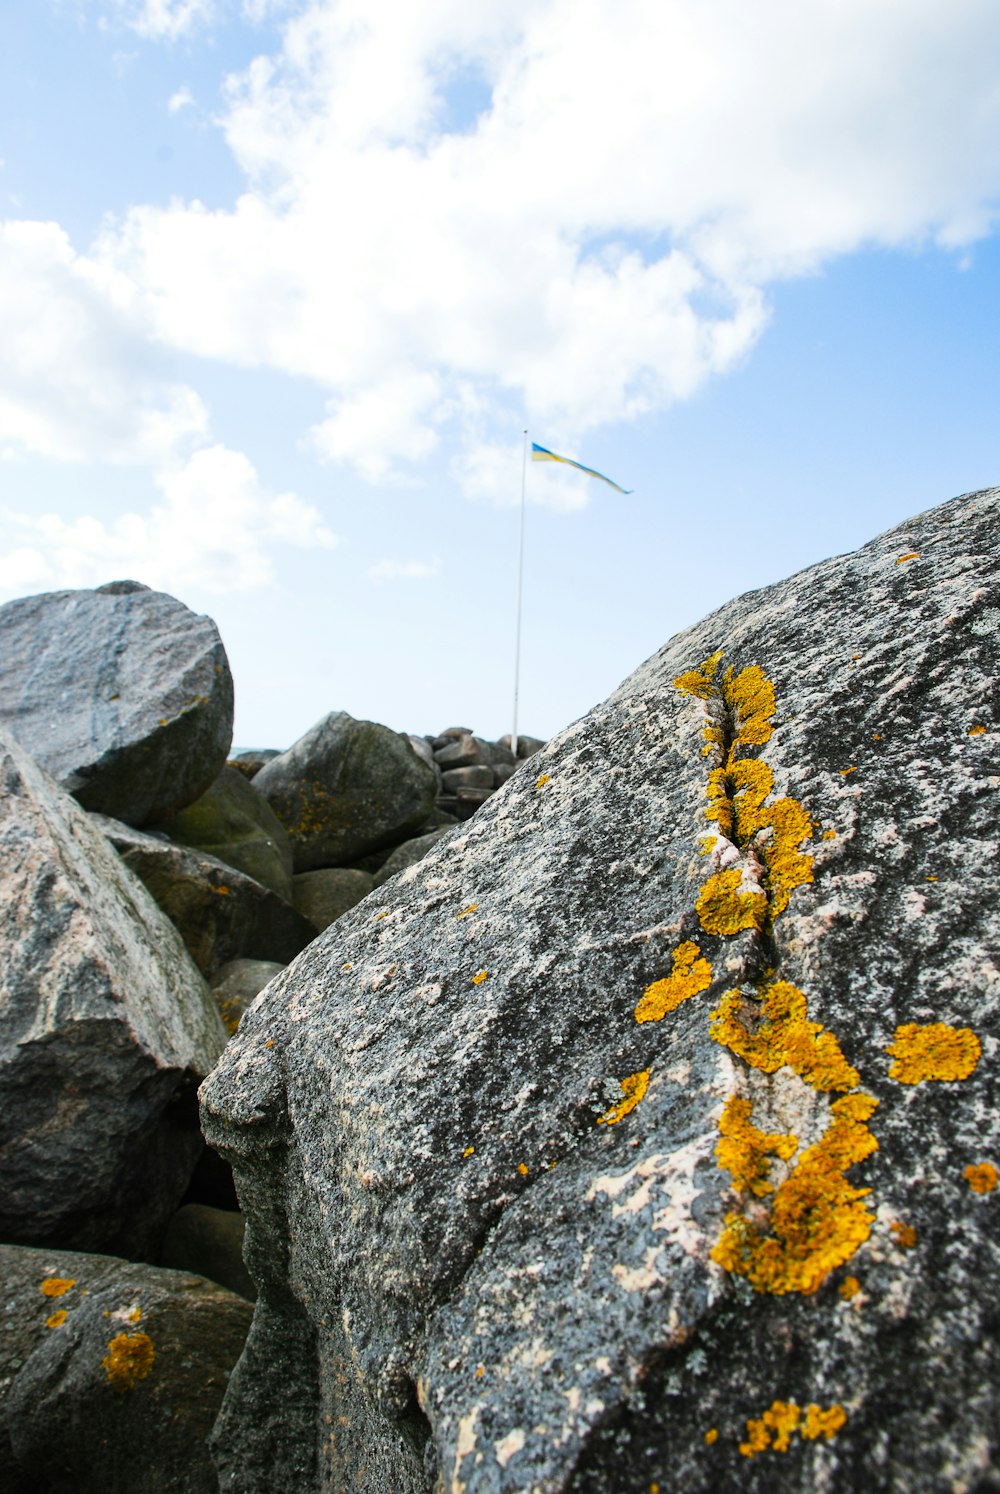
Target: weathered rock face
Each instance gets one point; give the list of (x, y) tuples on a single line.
[(220, 914), (408, 854), (105, 1029), (111, 1374), (646, 1135), (238, 826), (122, 694)]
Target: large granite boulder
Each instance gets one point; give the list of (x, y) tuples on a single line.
[(645, 1135), (111, 1374), (346, 788), (122, 694), (220, 914), (106, 1028), (235, 823)]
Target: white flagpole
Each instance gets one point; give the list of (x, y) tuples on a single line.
[(520, 592)]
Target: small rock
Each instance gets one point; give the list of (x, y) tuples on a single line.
[(462, 753), (250, 763), (237, 984), (324, 896), (234, 823), (477, 776)]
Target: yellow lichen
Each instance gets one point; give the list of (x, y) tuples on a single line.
[(849, 1288), (976, 731), (469, 1151), (724, 908), (479, 977), (57, 1286), (700, 681), (57, 1319), (522, 1169), (466, 911), (231, 1013), (712, 1436), (904, 1234), (981, 1177), (829, 835), (845, 772), (129, 1359), (541, 780), (744, 1151), (633, 1088), (820, 1423), (910, 555), (774, 1430), (933, 1050), (784, 1036), (750, 694), (691, 974)]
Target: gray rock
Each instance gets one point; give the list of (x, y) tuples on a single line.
[(468, 800), (501, 773), (346, 788), (324, 896), (479, 776), (105, 1030), (526, 746), (237, 984), (436, 820), (250, 763), (464, 752), (111, 1386), (533, 1235), (209, 1242), (220, 914), (235, 823), (409, 853), (122, 694)]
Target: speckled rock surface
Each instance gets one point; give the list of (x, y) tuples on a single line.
[(237, 825), (122, 694), (346, 788), (106, 1028), (526, 1215), (220, 914), (409, 853), (110, 1374)]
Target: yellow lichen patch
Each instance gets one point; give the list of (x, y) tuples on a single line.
[(750, 694), (981, 1177), (844, 772), (57, 1286), (910, 555), (930, 879), (57, 1319), (522, 1169), (818, 1219), (724, 908), (904, 1234), (541, 780), (744, 1151), (700, 681), (818, 1423), (129, 1359), (784, 1036), (976, 731), (231, 1013), (787, 867), (380, 916), (633, 1089), (479, 977), (691, 974), (933, 1050), (466, 911), (829, 835), (221, 890), (712, 1436), (849, 1288), (470, 1151), (774, 1430)]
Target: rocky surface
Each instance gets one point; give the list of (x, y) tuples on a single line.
[(347, 787), (209, 1242), (106, 1028), (111, 1374), (644, 1135), (238, 983), (326, 895), (234, 823), (408, 854), (220, 914), (122, 694)]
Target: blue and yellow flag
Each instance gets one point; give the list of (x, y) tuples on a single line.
[(542, 454)]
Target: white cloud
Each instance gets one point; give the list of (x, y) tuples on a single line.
[(165, 20), (399, 570), (79, 380), (215, 528), (596, 243), (180, 100)]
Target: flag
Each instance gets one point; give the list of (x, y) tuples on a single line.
[(542, 454)]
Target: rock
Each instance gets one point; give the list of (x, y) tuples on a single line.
[(250, 763), (346, 788), (122, 694), (436, 820), (528, 1170), (526, 746), (209, 1242), (422, 748), (111, 1374), (235, 823), (409, 853), (326, 895), (450, 734), (479, 776), (465, 752), (238, 983), (220, 914), (501, 773), (105, 1030), (468, 800)]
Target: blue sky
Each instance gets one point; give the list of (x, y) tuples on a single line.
[(281, 284)]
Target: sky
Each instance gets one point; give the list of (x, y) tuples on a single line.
[(284, 282)]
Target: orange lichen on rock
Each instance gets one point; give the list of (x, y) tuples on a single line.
[(750, 695), (744, 1151), (910, 555), (933, 1050), (784, 1036), (57, 1319), (712, 1436), (818, 1219), (700, 681), (479, 977), (976, 731), (849, 1288), (904, 1234), (981, 1177), (774, 1430), (57, 1286), (633, 1088), (129, 1359), (691, 974), (724, 908)]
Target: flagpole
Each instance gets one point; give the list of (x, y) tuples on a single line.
[(520, 593)]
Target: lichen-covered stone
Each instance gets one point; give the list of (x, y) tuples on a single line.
[(123, 694), (235, 823), (347, 788), (220, 913), (105, 1029), (111, 1374), (575, 1162)]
